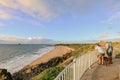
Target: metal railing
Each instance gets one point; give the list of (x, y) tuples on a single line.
[(119, 72), (76, 69)]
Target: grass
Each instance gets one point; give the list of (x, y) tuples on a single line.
[(49, 74)]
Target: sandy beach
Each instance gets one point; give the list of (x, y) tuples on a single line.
[(57, 51)]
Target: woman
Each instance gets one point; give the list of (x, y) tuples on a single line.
[(101, 53)]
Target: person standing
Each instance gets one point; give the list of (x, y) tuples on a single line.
[(109, 51), (101, 53)]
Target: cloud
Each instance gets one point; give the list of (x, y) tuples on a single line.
[(4, 14), (115, 16), (12, 38), (34, 38), (9, 38), (34, 8), (118, 33), (104, 35), (50, 9), (114, 13), (29, 40)]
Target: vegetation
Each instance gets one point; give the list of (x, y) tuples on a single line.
[(22, 75), (5, 75), (50, 69), (48, 74)]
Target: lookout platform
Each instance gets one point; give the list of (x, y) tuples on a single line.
[(103, 72)]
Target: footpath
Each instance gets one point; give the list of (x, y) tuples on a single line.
[(102, 72)]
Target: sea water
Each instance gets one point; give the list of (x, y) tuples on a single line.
[(14, 57)]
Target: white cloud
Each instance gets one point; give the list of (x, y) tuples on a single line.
[(34, 38)]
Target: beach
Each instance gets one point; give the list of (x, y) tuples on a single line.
[(56, 52), (50, 59)]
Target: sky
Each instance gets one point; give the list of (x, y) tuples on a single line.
[(59, 20)]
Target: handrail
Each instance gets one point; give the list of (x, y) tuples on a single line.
[(76, 69), (119, 72)]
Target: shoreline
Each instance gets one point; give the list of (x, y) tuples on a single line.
[(58, 51), (24, 60)]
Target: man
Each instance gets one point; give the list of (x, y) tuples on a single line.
[(109, 51)]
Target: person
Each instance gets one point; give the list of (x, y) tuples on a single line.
[(101, 53), (109, 51)]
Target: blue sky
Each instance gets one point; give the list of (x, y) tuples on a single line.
[(59, 20)]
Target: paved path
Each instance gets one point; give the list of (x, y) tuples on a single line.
[(102, 72)]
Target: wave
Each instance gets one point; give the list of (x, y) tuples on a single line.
[(17, 63)]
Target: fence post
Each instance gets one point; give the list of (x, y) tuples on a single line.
[(74, 69)]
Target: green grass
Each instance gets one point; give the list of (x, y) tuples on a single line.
[(48, 74), (82, 49)]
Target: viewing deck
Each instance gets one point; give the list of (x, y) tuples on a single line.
[(102, 72)]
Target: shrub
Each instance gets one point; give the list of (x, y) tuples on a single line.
[(48, 74)]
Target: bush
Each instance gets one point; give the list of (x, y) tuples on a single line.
[(49, 74)]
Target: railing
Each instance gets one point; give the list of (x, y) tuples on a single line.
[(119, 72), (76, 69)]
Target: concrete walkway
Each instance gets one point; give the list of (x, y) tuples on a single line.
[(102, 72)]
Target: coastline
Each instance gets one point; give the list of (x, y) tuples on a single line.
[(50, 59), (56, 52)]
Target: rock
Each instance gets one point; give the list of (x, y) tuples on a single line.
[(4, 75)]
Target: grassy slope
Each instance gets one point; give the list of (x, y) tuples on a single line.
[(51, 73), (79, 50)]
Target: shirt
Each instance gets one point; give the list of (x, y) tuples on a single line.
[(100, 49)]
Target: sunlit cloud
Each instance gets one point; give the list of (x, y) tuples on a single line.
[(9, 38), (29, 40), (4, 14), (104, 35), (34, 8), (12, 38), (48, 9), (37, 11)]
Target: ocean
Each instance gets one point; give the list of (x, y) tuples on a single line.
[(14, 57)]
